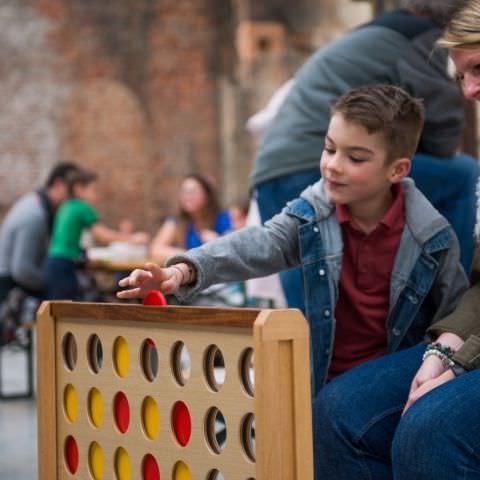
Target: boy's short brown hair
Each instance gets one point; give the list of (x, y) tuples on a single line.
[(80, 176), (386, 109)]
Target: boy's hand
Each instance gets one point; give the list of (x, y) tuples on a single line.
[(153, 277)]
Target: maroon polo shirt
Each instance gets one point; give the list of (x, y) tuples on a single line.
[(364, 289)]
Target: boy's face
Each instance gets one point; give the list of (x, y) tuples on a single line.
[(87, 192), (353, 164)]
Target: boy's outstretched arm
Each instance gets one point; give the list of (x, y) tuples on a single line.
[(168, 280)]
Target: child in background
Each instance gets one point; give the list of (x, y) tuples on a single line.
[(380, 264), (74, 216)]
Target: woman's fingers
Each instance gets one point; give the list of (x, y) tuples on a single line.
[(131, 293)]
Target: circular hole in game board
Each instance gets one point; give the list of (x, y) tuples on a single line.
[(150, 418), (121, 357), (216, 430), (214, 367), (181, 363), (95, 407), (149, 359), (247, 373), (69, 349), (215, 475), (94, 353), (181, 423), (70, 403), (123, 468), (96, 461), (181, 471), (71, 454), (248, 435), (150, 470), (121, 412)]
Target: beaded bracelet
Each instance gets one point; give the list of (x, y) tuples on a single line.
[(445, 349), (443, 352)]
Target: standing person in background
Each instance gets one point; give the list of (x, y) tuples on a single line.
[(200, 219), (73, 217), (397, 48)]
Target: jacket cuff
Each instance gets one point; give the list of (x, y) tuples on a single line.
[(468, 356), (186, 292)]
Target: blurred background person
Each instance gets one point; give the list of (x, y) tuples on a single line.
[(200, 219), (24, 236), (74, 216)]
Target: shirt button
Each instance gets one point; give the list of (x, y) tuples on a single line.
[(326, 313), (321, 272), (396, 331), (315, 229)]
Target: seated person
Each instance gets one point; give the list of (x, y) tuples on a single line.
[(75, 215), (379, 262), (199, 220)]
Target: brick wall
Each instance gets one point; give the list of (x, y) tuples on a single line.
[(143, 91)]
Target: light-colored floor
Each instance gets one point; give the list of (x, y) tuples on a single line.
[(18, 423)]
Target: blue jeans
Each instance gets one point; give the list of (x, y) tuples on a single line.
[(359, 432), (449, 184), (60, 277)]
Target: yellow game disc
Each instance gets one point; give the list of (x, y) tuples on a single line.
[(96, 461), (122, 465), (95, 407), (70, 402), (182, 472), (121, 356), (151, 417)]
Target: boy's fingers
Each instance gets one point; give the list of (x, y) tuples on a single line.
[(132, 293)]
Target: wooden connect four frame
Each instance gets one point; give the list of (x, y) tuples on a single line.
[(108, 368)]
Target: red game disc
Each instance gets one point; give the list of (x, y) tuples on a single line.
[(182, 423), (150, 468), (155, 298), (71, 454)]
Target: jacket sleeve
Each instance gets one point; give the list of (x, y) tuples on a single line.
[(423, 73), (464, 322), (247, 253)]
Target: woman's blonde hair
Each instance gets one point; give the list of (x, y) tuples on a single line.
[(463, 28)]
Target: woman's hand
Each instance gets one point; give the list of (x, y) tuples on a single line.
[(445, 377), (153, 277)]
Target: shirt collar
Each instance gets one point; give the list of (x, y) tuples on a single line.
[(392, 215)]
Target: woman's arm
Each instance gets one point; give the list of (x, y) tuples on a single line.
[(164, 242), (105, 235)]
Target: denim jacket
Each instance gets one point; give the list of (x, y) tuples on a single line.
[(426, 284)]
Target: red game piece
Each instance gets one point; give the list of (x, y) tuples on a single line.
[(150, 468), (182, 423), (155, 298), (71, 454), (121, 412)]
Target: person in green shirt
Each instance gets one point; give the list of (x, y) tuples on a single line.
[(73, 217)]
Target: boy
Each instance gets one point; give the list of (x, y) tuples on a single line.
[(75, 215), (380, 264)]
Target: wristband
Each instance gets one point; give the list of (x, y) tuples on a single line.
[(457, 369)]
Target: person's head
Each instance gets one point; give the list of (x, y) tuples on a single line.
[(82, 185), (438, 11), (462, 37), (238, 211), (56, 183), (373, 133), (198, 197)]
